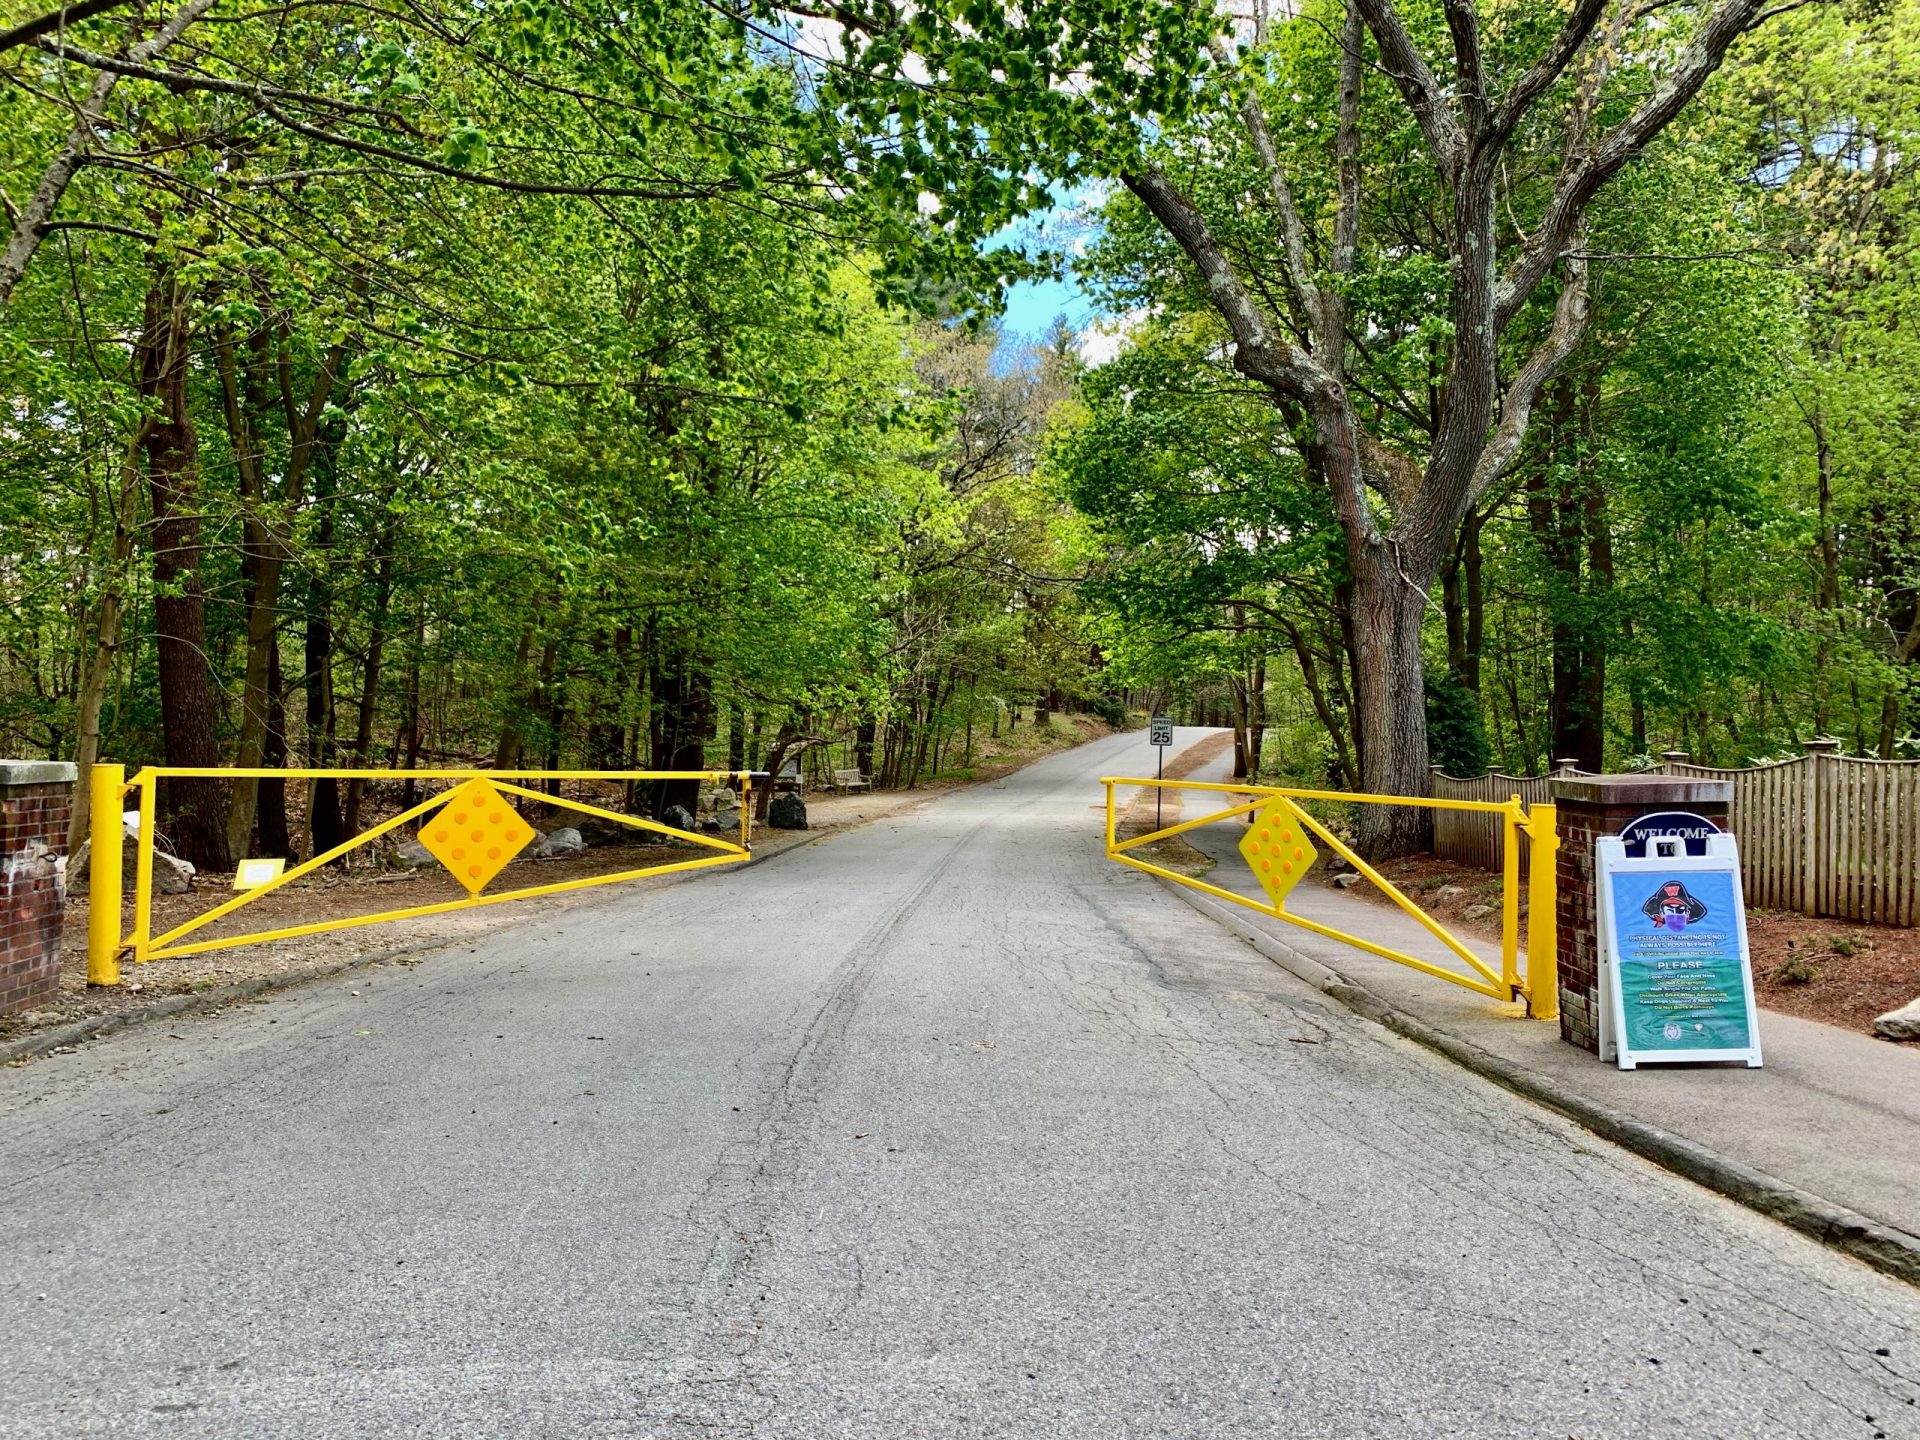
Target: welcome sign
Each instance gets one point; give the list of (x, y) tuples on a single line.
[(1677, 979)]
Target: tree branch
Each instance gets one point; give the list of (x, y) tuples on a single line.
[(1417, 85), (1583, 178), (1262, 353), (1516, 407), (55, 20), (25, 238), (1464, 26), (1543, 72), (1299, 267)]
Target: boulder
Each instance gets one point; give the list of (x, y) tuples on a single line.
[(171, 875), (593, 831), (1451, 892), (564, 841), (1901, 1024), (1347, 880), (1478, 912), (787, 812), (678, 817), (412, 855)]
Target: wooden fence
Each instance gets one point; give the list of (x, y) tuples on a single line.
[(1822, 833)]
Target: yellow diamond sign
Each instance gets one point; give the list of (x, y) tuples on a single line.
[(475, 833), (1277, 849)]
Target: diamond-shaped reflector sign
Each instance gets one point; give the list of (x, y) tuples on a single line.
[(475, 833), (1277, 849)]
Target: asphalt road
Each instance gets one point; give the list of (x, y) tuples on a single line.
[(945, 1127)]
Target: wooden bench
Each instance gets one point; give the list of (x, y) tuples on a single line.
[(848, 782)]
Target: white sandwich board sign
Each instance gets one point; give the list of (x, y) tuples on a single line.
[(1676, 975)]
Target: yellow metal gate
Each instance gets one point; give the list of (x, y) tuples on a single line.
[(471, 828), (1279, 848)]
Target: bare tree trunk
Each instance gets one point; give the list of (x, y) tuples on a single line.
[(513, 727), (326, 827), (369, 706), (269, 540), (275, 838), (1827, 596)]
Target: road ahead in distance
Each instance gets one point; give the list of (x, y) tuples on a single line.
[(944, 1127)]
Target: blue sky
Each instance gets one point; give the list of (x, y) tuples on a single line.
[(1032, 306)]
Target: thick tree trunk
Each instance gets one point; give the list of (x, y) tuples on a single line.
[(863, 738), (192, 812), (1389, 683)]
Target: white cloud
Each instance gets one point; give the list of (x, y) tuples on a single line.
[(1105, 339)]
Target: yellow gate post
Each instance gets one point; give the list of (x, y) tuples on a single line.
[(1543, 925), (104, 784)]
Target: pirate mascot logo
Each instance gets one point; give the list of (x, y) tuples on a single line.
[(1672, 907)]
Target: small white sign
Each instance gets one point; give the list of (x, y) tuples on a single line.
[(1160, 730), (251, 874)]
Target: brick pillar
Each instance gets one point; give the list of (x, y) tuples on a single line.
[(36, 799), (1589, 806)]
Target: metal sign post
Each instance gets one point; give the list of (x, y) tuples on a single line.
[(1160, 735)]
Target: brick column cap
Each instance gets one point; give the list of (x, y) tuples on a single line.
[(38, 772), (1648, 790)]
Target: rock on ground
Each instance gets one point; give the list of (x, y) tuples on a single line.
[(679, 817), (171, 875), (564, 841), (1901, 1024), (412, 855), (787, 812)]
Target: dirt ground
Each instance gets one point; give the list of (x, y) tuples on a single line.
[(338, 894), (1833, 971)]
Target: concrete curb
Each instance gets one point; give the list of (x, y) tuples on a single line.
[(94, 1027), (1887, 1249)]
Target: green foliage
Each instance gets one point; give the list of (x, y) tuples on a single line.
[(1456, 734)]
